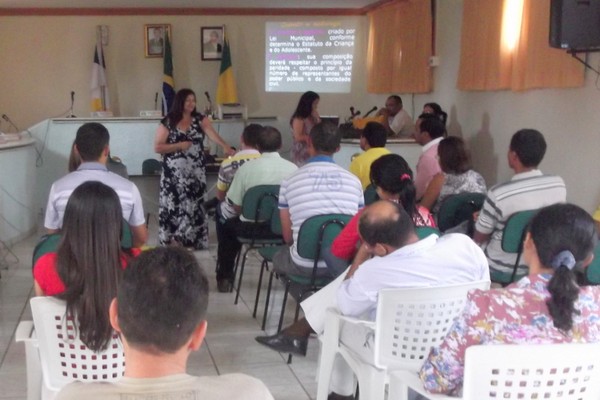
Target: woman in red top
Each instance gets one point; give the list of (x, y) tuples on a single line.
[(393, 180), (88, 264)]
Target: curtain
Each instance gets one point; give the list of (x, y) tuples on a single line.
[(536, 64), (486, 64), (399, 48)]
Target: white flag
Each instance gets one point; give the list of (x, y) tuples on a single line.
[(99, 87)]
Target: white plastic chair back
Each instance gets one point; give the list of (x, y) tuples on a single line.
[(555, 371), (63, 356), (411, 321)]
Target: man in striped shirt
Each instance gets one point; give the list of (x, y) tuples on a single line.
[(91, 144), (528, 189), (318, 187), (230, 165)]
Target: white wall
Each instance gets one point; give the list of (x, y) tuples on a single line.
[(44, 58), (17, 201), (568, 118)]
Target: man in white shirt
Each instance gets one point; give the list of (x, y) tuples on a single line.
[(400, 260), (397, 121), (160, 313), (91, 144)]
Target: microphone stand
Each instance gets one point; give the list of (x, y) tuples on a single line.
[(71, 115), (209, 109)]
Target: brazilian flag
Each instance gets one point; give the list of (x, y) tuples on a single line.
[(168, 88), (226, 90)]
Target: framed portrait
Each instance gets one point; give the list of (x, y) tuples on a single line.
[(211, 38), (154, 39)]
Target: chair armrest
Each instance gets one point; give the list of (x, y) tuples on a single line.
[(356, 321), (334, 317), (401, 381), (25, 332), (332, 323)]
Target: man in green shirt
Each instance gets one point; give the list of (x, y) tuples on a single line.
[(268, 169)]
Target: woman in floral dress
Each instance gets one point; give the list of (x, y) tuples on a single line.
[(545, 307), (179, 139)]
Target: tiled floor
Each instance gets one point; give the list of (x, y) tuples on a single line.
[(229, 345)]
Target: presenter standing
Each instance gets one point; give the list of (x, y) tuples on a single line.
[(179, 138), (304, 118)]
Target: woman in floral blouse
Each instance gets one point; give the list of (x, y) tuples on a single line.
[(545, 307)]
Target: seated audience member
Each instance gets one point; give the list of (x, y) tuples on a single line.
[(456, 176), (269, 169), (429, 134), (397, 121), (392, 177), (318, 187), (230, 165), (113, 164), (435, 109), (160, 314), (91, 147), (372, 141), (400, 260), (545, 307), (527, 190), (88, 263)]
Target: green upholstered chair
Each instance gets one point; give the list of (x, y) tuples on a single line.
[(370, 195), (316, 234), (267, 253), (458, 208), (512, 242), (259, 204), (424, 231), (592, 272), (49, 243), (151, 166)]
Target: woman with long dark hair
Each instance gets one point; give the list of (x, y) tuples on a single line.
[(393, 180), (87, 266), (304, 118), (179, 139), (545, 307)]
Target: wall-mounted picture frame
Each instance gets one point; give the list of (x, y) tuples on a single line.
[(154, 39), (211, 39)]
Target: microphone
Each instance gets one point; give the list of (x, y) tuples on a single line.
[(5, 117), (353, 112), (208, 109), (156, 101), (370, 111), (72, 103)]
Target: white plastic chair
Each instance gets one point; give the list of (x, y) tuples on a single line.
[(408, 323), (56, 356), (554, 371)]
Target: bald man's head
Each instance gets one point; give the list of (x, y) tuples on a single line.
[(386, 223)]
